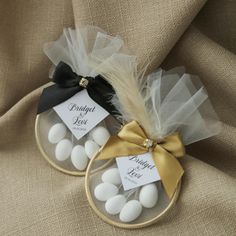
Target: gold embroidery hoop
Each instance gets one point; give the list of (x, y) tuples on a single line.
[(51, 162), (119, 224)]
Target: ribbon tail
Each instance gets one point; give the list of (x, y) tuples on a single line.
[(169, 170), (102, 95), (54, 95)]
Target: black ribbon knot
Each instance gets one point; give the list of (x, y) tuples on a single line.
[(68, 83)]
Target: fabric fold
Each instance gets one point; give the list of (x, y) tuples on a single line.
[(38, 200)]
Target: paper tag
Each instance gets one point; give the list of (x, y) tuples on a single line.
[(80, 113), (137, 170)]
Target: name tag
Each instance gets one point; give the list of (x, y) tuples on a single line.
[(137, 170), (80, 113)]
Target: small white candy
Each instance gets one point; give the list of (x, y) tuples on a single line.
[(112, 176), (79, 158), (114, 205), (148, 195), (91, 148), (131, 211), (63, 149), (104, 191), (100, 135), (56, 133)]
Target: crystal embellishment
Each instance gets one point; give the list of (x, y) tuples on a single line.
[(148, 143), (83, 82)]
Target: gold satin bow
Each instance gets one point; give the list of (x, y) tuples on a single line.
[(132, 140)]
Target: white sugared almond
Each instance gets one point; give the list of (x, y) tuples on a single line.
[(114, 204), (104, 191), (148, 195), (91, 148), (56, 133), (79, 158), (112, 176), (63, 149), (131, 211), (100, 135)]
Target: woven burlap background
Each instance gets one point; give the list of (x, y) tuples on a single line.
[(35, 199)]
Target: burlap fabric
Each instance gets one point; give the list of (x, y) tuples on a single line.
[(35, 199)]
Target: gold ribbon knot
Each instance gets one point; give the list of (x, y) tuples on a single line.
[(132, 140)]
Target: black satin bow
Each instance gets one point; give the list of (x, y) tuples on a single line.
[(68, 83)]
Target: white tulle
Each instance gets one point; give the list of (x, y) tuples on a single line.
[(164, 102), (167, 102), (178, 102), (82, 48)]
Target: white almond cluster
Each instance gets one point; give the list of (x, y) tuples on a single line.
[(79, 154), (116, 203)]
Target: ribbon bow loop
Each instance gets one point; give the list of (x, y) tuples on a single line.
[(64, 77), (131, 141), (135, 134), (68, 83)]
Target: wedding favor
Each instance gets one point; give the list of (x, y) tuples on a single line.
[(75, 114), (161, 114)]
